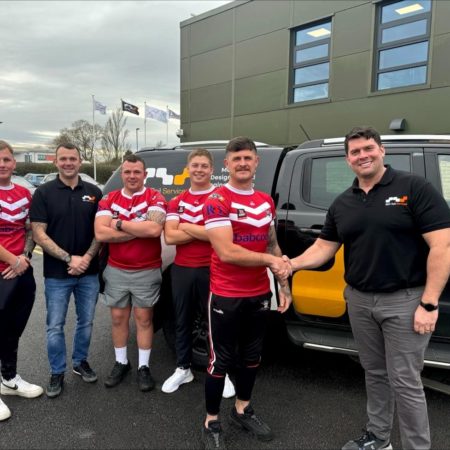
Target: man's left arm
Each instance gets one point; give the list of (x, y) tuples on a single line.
[(438, 271), (285, 296), (151, 227)]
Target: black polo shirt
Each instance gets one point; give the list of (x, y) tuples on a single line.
[(382, 231), (69, 215)]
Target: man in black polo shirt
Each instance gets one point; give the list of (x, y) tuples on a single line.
[(395, 228), (62, 219)]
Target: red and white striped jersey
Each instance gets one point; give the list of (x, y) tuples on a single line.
[(250, 214), (188, 208), (14, 207)]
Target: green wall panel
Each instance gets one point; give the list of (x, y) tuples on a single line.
[(441, 17), (210, 130), (210, 33), (262, 17), (440, 73), (260, 93), (263, 54), (308, 10), (211, 102), (211, 67)]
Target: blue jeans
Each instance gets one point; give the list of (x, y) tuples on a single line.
[(57, 296)]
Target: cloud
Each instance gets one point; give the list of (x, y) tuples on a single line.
[(55, 55)]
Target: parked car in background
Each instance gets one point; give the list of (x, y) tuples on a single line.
[(84, 176), (21, 181), (35, 178)]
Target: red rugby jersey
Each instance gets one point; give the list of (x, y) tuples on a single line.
[(188, 208), (14, 206), (139, 253), (250, 214)]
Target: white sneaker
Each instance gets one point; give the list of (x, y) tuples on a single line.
[(5, 413), (179, 377), (228, 389), (20, 387)]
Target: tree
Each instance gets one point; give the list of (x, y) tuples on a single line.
[(81, 135), (114, 136)]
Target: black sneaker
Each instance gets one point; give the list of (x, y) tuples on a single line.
[(252, 423), (368, 441), (145, 379), (213, 435), (85, 371), (55, 385), (117, 374)]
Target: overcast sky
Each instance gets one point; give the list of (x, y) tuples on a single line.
[(56, 54)]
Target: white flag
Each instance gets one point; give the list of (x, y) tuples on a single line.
[(100, 107)]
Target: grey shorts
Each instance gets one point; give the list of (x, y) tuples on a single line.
[(138, 287)]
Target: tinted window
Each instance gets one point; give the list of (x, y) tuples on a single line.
[(331, 176), (444, 171)]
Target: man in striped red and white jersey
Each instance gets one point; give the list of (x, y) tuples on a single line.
[(185, 228), (239, 222), (17, 285)]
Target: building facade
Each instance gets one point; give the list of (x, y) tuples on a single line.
[(289, 70)]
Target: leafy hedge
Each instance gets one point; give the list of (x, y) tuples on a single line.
[(104, 170)]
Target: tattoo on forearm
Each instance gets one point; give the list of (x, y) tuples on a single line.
[(93, 249), (156, 216), (272, 246), (29, 243), (48, 245)]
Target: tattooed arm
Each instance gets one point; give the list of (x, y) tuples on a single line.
[(29, 243), (49, 246), (150, 228), (105, 231)]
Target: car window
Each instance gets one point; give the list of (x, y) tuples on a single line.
[(444, 171), (330, 176)]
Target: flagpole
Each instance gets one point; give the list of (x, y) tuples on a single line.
[(93, 137), (145, 124), (167, 126)]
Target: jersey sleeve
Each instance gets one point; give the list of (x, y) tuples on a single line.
[(104, 207), (157, 202), (172, 209), (216, 212)]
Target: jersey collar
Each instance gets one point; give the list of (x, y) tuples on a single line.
[(239, 191)]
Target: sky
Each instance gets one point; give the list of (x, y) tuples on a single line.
[(56, 54)]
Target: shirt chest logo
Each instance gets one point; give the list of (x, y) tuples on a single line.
[(397, 201)]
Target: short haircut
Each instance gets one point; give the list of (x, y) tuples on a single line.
[(134, 159), (69, 146), (240, 143), (201, 152), (5, 146), (362, 132)]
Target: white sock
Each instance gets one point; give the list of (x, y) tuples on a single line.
[(144, 357), (121, 355)]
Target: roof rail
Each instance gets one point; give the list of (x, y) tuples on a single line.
[(397, 138)]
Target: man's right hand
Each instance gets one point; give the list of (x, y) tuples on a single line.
[(281, 267), (78, 265)]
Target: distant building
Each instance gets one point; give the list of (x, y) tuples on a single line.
[(34, 155), (282, 71)]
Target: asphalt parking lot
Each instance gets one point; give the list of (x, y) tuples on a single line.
[(312, 400)]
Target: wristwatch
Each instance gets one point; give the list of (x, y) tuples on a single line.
[(119, 225), (429, 306), (67, 259)]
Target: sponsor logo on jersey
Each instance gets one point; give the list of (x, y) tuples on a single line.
[(250, 237), (214, 210), (217, 196), (241, 213), (397, 201), (180, 209)]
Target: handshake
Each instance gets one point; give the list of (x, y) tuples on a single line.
[(281, 267)]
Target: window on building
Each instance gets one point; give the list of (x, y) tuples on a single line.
[(403, 40), (311, 62)]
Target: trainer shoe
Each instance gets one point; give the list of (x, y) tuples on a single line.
[(145, 379), (368, 441), (17, 386), (179, 377), (5, 412), (85, 371), (55, 385), (213, 435), (228, 388), (252, 423), (117, 374)]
